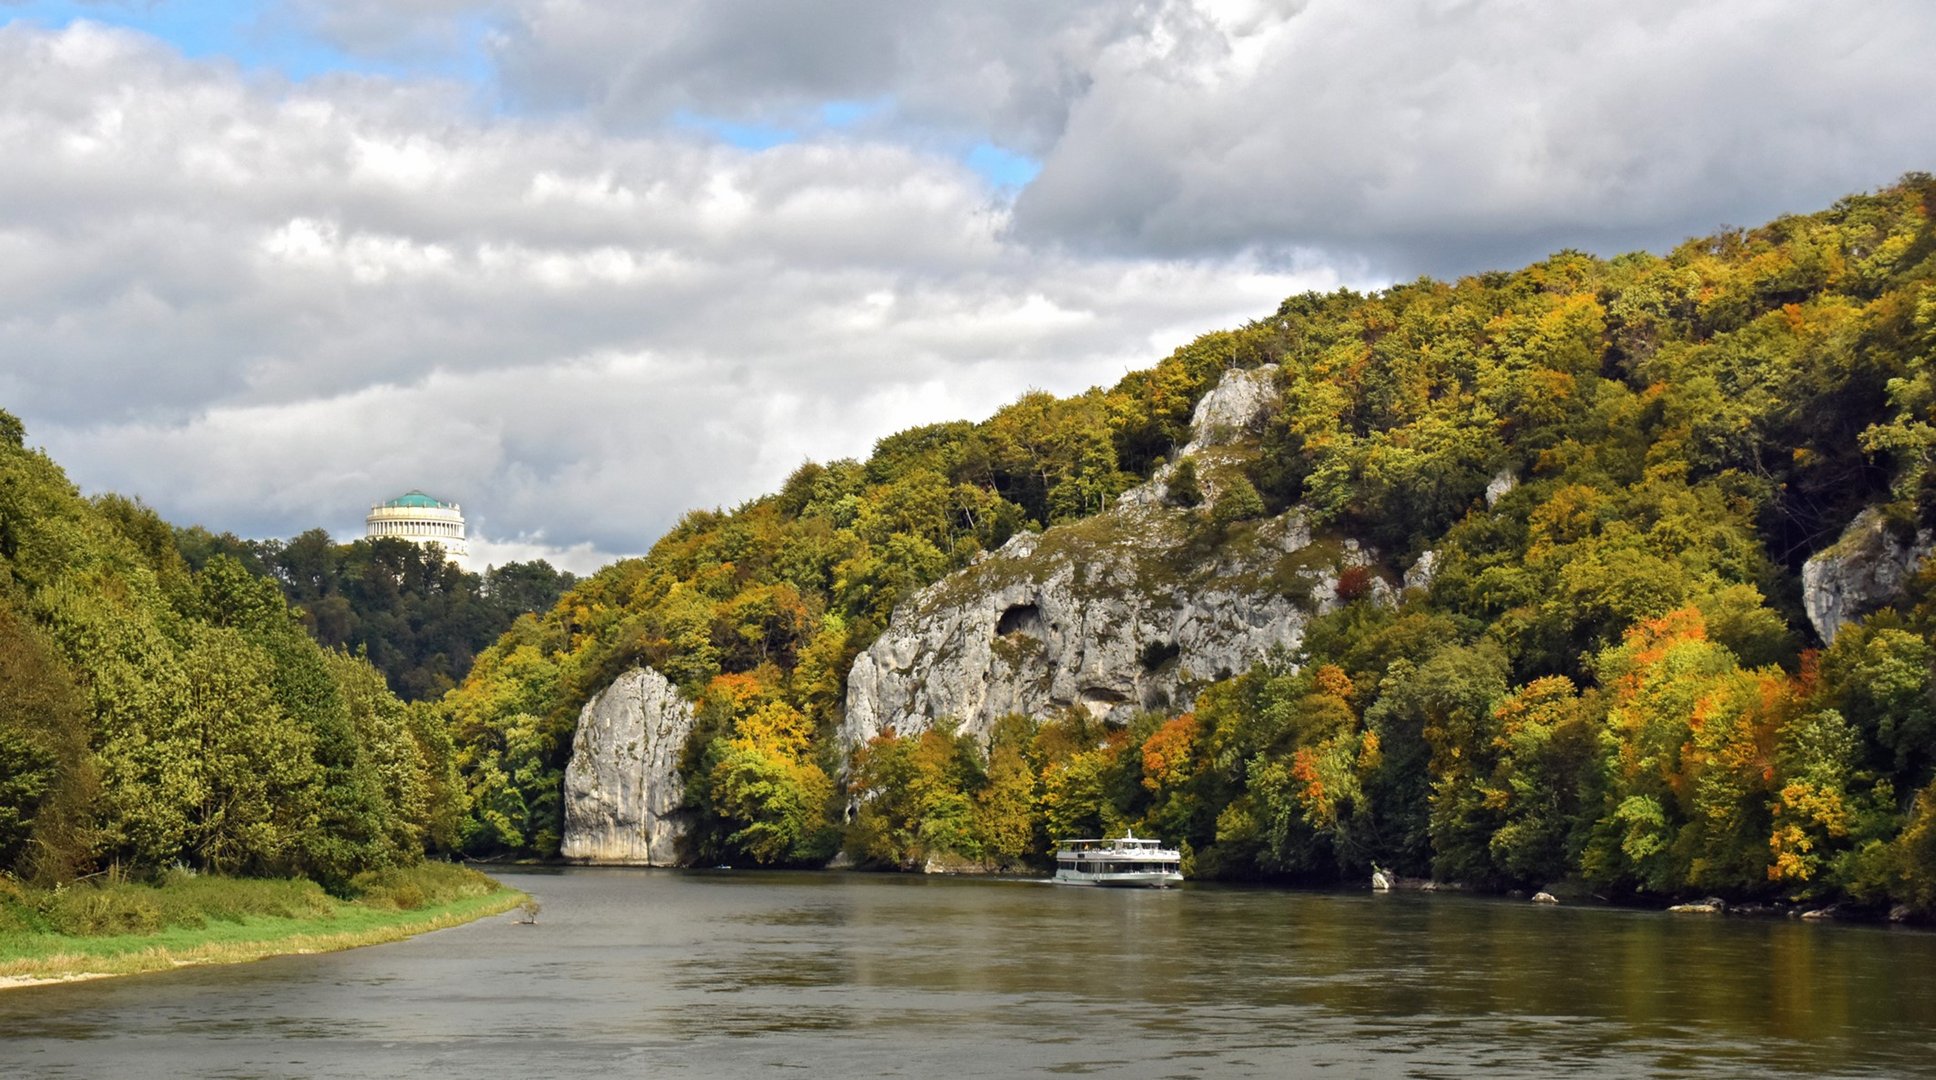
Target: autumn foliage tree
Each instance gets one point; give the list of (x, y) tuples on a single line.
[(1617, 468)]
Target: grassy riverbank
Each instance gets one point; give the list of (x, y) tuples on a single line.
[(119, 928)]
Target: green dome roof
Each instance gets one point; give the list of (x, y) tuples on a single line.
[(417, 500)]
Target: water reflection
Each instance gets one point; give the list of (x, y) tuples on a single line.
[(725, 974)]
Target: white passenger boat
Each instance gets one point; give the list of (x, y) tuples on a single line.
[(1126, 862)]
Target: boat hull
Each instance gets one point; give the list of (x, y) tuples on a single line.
[(1133, 879)]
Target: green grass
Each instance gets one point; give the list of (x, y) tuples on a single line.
[(123, 927)]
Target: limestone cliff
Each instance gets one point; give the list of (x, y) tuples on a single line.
[(1866, 568), (622, 786), (1129, 610)]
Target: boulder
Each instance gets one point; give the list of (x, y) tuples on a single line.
[(1865, 569), (622, 785), (1569, 890), (1545, 898), (1713, 905)]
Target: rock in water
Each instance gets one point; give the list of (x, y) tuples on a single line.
[(1545, 898), (1863, 570), (622, 787)]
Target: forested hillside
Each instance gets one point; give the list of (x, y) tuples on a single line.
[(1609, 677), (153, 714), (758, 613), (417, 618)]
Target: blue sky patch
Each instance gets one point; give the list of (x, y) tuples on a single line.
[(733, 133), (841, 114), (252, 33), (1003, 168)]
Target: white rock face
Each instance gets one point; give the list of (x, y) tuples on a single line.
[(1863, 570), (1237, 406), (1118, 613), (1500, 486), (622, 786), (1114, 614), (1423, 572), (1234, 408)]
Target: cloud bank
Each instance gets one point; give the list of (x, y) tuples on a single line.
[(584, 265)]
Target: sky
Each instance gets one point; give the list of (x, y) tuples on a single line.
[(585, 265)]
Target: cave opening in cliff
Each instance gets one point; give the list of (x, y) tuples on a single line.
[(1154, 655), (1020, 619)]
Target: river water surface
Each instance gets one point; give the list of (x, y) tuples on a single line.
[(729, 974)]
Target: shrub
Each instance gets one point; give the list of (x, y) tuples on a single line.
[(178, 898), (406, 888)]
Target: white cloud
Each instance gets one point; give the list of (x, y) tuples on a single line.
[(1002, 70), (1441, 135), (1457, 136), (261, 303), (582, 559)]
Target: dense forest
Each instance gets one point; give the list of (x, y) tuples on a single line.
[(1608, 680), (417, 617), (154, 714)]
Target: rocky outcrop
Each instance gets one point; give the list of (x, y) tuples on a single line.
[(1133, 609), (1423, 572), (1235, 409), (1865, 569), (1501, 485), (622, 786), (1115, 614)]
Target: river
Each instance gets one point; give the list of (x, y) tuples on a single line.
[(727, 974)]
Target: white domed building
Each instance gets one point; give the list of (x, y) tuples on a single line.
[(420, 519)]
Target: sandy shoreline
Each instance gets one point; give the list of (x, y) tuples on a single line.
[(10, 982)]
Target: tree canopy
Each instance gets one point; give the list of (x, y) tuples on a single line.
[(155, 713), (1618, 466), (419, 618)]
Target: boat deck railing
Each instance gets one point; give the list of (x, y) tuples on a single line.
[(1135, 846)]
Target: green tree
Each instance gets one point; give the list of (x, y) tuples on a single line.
[(1546, 752), (47, 777)]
